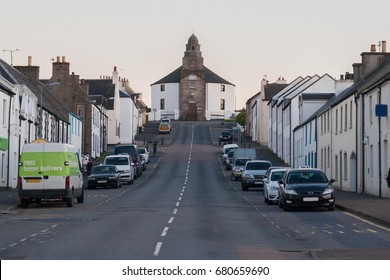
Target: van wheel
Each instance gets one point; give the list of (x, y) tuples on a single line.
[(24, 203), (80, 199), (69, 200)]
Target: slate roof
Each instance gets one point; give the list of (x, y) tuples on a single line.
[(271, 89), (175, 77), (377, 76), (15, 77)]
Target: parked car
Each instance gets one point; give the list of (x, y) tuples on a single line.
[(254, 173), (271, 187), (226, 136), (238, 167), (132, 150), (306, 187), (124, 164), (226, 148), (229, 160), (104, 176), (245, 152), (143, 163), (145, 153)]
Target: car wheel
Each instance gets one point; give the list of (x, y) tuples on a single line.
[(286, 207), (80, 199), (331, 207), (117, 186), (69, 200), (244, 187), (269, 202), (24, 202)]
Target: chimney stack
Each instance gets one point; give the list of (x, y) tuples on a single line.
[(29, 63), (373, 48), (384, 46)]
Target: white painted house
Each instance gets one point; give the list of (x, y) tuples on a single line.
[(192, 91)]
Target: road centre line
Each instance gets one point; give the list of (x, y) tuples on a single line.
[(157, 249), (171, 220), (174, 211), (165, 231)]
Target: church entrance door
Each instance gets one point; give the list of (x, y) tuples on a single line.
[(192, 112)]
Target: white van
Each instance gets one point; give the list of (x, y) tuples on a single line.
[(226, 148), (124, 164), (50, 171)]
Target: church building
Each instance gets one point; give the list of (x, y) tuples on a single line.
[(192, 92)]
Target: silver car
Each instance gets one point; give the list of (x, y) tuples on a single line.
[(254, 173), (238, 167)]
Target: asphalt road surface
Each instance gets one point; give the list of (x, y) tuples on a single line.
[(186, 207)]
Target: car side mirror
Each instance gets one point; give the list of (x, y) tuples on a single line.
[(332, 181)]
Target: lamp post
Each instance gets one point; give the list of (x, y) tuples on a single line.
[(53, 84)]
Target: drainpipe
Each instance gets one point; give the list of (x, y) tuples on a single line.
[(380, 144), (9, 142), (356, 144), (363, 146)]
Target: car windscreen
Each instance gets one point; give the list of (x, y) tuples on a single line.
[(103, 170), (258, 165), (241, 162), (303, 177), (277, 175), (117, 161)]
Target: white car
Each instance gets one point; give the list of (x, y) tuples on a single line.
[(145, 153), (124, 164), (271, 187)]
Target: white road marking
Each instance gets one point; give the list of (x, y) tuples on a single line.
[(171, 220), (157, 249), (174, 211), (368, 222), (165, 231)]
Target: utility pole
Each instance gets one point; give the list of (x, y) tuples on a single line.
[(11, 52)]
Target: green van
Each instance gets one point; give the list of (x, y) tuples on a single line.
[(50, 171)]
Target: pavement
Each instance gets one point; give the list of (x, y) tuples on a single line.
[(371, 208)]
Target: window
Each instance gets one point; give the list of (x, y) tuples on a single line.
[(192, 84), (162, 104), (345, 167), (350, 114), (222, 87), (328, 156), (370, 109), (162, 87), (337, 121), (346, 117), (336, 168), (328, 121), (222, 104), (341, 119), (4, 120)]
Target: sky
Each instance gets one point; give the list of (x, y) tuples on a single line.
[(242, 41)]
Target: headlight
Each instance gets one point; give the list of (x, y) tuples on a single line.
[(292, 192), (236, 169), (328, 191), (91, 178), (247, 175), (112, 177)]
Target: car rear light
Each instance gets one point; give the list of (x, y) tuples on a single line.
[(20, 182), (67, 182)]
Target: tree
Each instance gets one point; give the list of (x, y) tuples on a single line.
[(241, 117)]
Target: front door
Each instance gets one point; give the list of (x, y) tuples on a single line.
[(192, 112)]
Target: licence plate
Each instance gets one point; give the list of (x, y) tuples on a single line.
[(310, 199), (37, 180), (102, 181), (258, 183)]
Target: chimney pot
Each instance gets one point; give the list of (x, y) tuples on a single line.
[(384, 46), (58, 59), (373, 48), (29, 61), (114, 68), (63, 59)]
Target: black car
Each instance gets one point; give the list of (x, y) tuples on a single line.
[(104, 176), (132, 150), (226, 136), (306, 187)]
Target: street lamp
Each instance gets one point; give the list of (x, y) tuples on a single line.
[(53, 84)]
